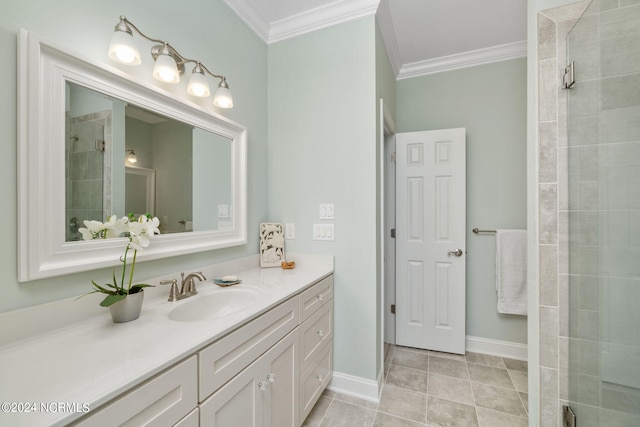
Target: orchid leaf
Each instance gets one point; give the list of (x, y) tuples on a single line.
[(111, 299), (100, 288)]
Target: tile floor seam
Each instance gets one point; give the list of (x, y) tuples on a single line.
[(398, 416), (475, 404)]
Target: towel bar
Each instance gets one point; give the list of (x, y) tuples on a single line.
[(478, 231)]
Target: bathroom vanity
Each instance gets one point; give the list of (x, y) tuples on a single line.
[(262, 357)]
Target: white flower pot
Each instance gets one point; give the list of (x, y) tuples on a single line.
[(127, 309)]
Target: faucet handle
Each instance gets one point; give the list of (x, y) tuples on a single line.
[(173, 293)]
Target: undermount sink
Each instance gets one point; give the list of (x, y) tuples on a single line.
[(216, 304)]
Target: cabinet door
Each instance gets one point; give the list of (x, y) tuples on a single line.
[(240, 402), (281, 369)]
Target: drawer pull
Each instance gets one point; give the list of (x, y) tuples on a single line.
[(263, 385), (271, 378), (321, 333)]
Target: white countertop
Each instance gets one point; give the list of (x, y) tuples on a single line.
[(57, 353)]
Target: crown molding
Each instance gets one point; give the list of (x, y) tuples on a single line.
[(321, 17), (463, 60), (249, 17)]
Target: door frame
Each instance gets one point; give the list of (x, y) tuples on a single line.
[(387, 128)]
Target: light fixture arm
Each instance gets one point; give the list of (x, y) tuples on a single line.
[(126, 25)]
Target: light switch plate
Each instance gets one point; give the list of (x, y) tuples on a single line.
[(223, 211), (327, 211), (323, 232)]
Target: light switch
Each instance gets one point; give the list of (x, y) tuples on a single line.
[(323, 232), (327, 211)]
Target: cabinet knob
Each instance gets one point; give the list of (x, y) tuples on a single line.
[(320, 297), (321, 333), (320, 378), (271, 378), (263, 385)]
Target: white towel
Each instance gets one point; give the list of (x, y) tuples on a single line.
[(511, 271)]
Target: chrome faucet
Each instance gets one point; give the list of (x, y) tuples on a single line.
[(188, 287)]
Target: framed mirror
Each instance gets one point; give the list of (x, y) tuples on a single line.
[(81, 127)]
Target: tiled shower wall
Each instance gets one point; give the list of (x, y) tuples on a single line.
[(553, 27), (87, 170)]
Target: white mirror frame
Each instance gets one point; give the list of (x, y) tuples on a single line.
[(43, 69)]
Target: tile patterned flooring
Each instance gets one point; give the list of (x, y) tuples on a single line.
[(428, 388)]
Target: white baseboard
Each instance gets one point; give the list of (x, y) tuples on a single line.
[(356, 386), (511, 350)]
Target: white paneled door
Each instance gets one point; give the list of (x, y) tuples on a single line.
[(430, 239)]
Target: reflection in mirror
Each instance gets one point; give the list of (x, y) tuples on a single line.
[(182, 174)]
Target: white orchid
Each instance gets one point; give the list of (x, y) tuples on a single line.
[(141, 230), (138, 232)]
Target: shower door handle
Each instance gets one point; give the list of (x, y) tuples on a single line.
[(457, 252)]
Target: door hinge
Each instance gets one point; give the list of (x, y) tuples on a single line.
[(393, 309), (393, 157), (100, 145), (568, 417), (568, 77), (393, 233)]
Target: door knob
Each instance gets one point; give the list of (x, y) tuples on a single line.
[(457, 252)]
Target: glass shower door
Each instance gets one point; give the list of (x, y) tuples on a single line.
[(603, 215)]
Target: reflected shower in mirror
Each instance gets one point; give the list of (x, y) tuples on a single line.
[(182, 174)]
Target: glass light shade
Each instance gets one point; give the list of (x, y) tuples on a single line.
[(166, 69), (132, 158), (122, 49), (198, 85), (222, 98)]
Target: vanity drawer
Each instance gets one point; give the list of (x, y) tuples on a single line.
[(229, 355), (163, 400), (314, 297), (314, 380), (314, 333)]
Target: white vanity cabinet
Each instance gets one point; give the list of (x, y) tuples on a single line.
[(267, 373)]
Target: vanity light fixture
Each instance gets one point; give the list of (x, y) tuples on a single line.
[(132, 158), (169, 64)]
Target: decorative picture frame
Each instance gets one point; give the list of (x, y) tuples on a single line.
[(271, 244)]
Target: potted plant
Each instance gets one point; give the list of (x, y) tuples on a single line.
[(123, 299)]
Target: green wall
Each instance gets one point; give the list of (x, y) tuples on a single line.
[(207, 30), (322, 149), (490, 102)]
